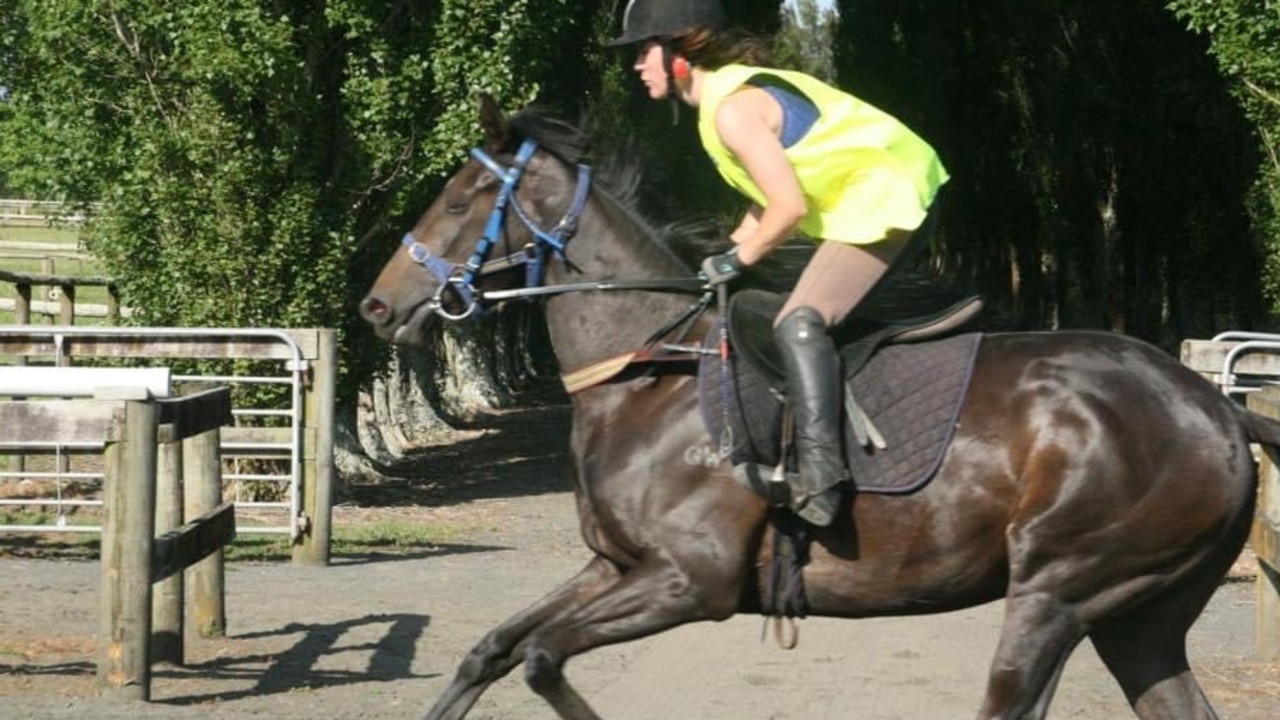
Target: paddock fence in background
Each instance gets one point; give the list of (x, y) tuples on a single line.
[(295, 439), (162, 474), (1246, 366)]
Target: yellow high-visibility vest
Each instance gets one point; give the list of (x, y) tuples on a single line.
[(862, 171)]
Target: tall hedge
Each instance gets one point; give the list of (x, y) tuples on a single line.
[(1244, 38), (1100, 165), (256, 160)]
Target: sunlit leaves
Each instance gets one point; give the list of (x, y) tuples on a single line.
[(1244, 36)]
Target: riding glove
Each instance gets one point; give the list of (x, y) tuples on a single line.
[(720, 269)]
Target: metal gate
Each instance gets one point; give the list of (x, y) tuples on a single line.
[(303, 448)]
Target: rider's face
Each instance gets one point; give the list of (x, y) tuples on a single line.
[(651, 69)]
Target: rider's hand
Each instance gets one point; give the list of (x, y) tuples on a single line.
[(720, 269)]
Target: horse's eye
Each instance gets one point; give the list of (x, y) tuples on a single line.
[(456, 208)]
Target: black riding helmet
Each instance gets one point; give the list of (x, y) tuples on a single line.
[(645, 19)]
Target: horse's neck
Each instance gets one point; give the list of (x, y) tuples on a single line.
[(591, 326)]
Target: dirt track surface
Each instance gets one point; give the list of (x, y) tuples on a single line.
[(379, 636)]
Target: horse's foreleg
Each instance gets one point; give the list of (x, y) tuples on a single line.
[(1039, 634), (648, 599), (503, 648)]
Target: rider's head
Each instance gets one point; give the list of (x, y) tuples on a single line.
[(652, 25), (672, 35), (656, 19)]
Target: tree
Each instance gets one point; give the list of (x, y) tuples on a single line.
[(254, 158), (805, 40), (1244, 37), (1098, 170)]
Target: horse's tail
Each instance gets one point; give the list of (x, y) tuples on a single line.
[(1261, 429)]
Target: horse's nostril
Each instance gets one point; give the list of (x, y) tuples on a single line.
[(373, 309)]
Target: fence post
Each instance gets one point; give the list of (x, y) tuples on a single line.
[(1265, 538), (113, 305), (21, 316), (317, 466), (166, 614), (46, 269), (67, 304), (128, 532), (22, 305), (202, 471)]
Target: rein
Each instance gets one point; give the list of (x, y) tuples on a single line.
[(462, 278)]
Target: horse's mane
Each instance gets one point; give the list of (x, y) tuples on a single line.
[(618, 174), (616, 171)]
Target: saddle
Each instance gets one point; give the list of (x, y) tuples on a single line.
[(905, 377)]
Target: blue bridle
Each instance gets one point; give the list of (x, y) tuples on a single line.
[(533, 256)]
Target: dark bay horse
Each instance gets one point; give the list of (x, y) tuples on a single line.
[(1097, 486)]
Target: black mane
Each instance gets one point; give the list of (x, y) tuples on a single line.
[(618, 172)]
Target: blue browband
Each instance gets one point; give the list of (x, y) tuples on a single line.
[(533, 256)]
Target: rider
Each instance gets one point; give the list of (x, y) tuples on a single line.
[(813, 160)]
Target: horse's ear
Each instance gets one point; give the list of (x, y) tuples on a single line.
[(497, 132)]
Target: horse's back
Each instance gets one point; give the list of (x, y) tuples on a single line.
[(1120, 382)]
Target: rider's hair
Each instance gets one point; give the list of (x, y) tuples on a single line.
[(714, 49)]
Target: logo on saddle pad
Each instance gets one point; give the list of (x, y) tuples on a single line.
[(708, 456)]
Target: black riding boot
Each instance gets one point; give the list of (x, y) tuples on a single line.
[(813, 389)]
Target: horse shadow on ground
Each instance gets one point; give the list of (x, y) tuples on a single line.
[(326, 655), (434, 551), (312, 662)]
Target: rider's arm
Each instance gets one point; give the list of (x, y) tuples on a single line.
[(748, 123), (750, 221)]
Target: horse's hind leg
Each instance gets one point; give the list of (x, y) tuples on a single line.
[(1146, 650), (1038, 636), (503, 648), (1147, 655)]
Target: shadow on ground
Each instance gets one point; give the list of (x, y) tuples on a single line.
[(310, 663)]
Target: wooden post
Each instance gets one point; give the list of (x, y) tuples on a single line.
[(317, 464), (67, 304), (21, 316), (22, 305), (166, 607), (202, 470), (66, 316), (128, 531), (46, 269), (113, 305), (1265, 538)]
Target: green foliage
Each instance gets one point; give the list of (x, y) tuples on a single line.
[(1099, 173), (1244, 37), (804, 41), (256, 159)]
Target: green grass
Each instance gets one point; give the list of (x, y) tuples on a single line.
[(18, 515), (26, 233), (69, 263), (57, 264), (386, 537), (382, 537)]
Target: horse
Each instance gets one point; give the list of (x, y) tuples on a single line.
[(1096, 485)]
